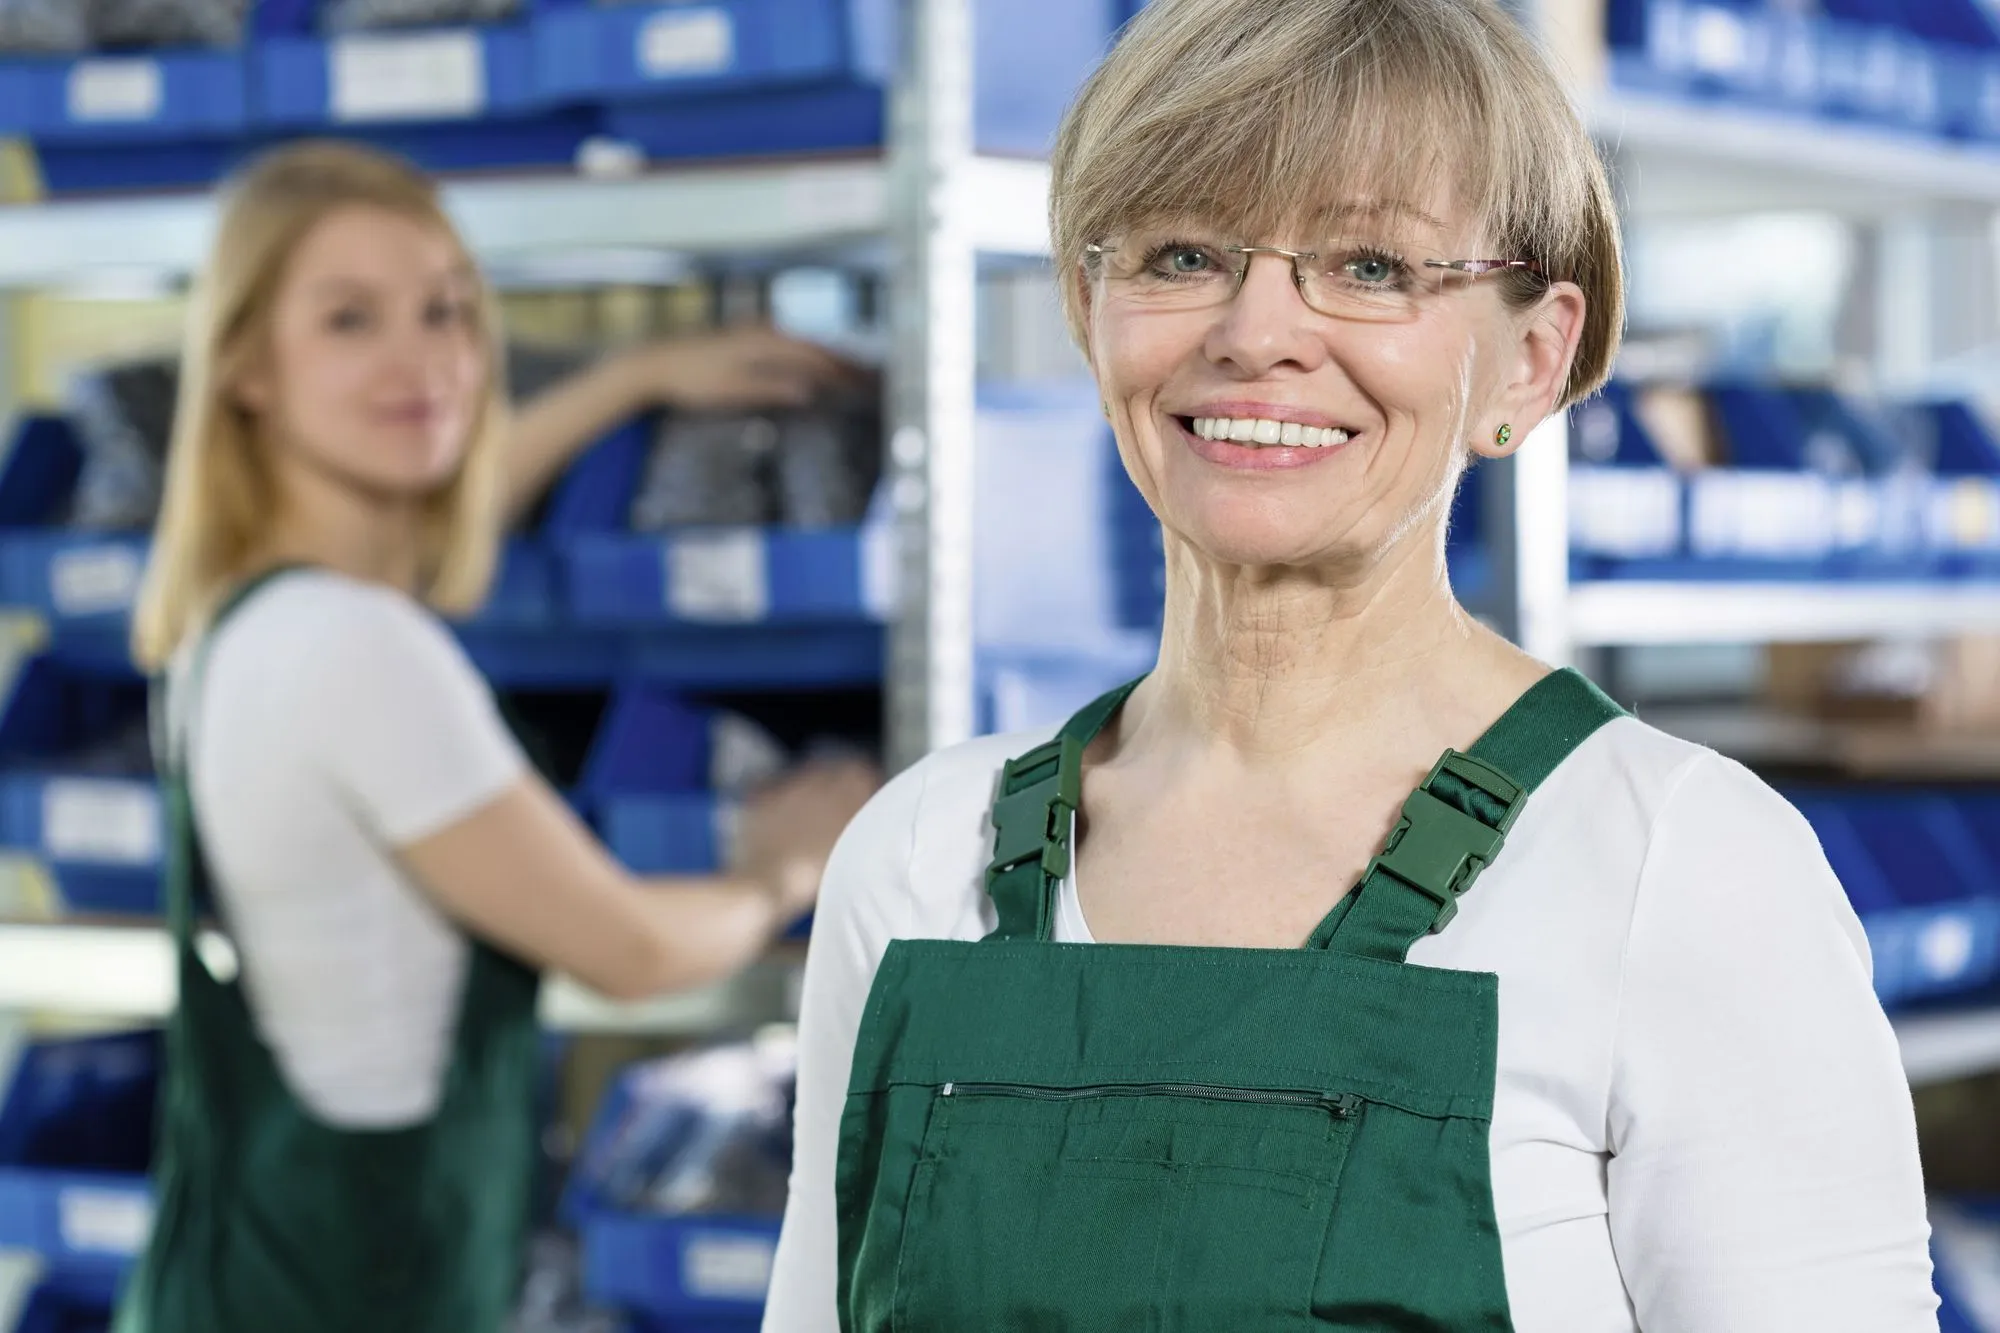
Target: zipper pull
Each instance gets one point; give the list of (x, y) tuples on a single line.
[(1345, 1106), (945, 1091)]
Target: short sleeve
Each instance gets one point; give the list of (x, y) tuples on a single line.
[(1764, 1174), (401, 724), (864, 903)]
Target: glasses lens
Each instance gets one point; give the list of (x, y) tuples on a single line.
[(1170, 269), (1363, 277)]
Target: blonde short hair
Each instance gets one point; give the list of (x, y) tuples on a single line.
[(1262, 113), (218, 505)]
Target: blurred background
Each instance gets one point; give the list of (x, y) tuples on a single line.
[(1777, 533)]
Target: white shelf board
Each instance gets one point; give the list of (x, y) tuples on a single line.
[(1612, 613), (125, 972), (1940, 1047), (709, 209), (1693, 157)]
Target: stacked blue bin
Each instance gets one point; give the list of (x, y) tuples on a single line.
[(1921, 66), (665, 1273), (714, 78), (744, 77), (75, 1134), (1812, 486), (1924, 876), (130, 119), (580, 600), (1627, 506)]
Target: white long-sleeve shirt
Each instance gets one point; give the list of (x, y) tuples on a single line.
[(1701, 1123)]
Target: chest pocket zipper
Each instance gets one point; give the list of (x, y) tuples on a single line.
[(1341, 1105)]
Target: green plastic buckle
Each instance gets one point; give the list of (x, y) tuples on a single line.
[(1439, 850), (1034, 822)]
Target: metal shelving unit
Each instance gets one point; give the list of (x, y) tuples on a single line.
[(923, 211), (1676, 158)]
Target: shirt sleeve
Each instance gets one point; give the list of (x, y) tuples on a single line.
[(864, 902), (1764, 1175), (404, 728)]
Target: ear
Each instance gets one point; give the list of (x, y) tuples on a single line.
[(1545, 338)]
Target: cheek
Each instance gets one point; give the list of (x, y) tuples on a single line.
[(1135, 355), (319, 377)]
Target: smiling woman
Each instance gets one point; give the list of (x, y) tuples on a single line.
[(1353, 970)]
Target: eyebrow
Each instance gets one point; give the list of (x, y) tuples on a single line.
[(456, 275)]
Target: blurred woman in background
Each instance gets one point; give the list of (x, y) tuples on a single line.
[(347, 1134)]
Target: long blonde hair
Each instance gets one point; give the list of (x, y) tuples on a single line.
[(219, 500)]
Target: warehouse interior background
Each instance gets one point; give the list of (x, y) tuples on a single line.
[(1777, 532)]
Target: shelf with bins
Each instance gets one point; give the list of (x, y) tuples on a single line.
[(1825, 520), (663, 80)]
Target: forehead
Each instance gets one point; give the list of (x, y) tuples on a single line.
[(365, 245)]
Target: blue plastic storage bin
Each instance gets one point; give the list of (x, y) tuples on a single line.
[(55, 1306), (524, 592), (449, 98), (722, 576), (1922, 884), (614, 578), (1627, 507), (101, 838), (746, 77), (681, 1274), (76, 1133), (401, 75), (125, 96), (88, 580), (76, 792), (645, 782)]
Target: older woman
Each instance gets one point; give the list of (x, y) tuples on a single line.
[(1354, 970)]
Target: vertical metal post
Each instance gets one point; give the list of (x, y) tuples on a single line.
[(932, 312), (1525, 514)]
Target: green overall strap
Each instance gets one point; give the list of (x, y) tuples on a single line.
[(1456, 822), (1033, 822), (171, 750)]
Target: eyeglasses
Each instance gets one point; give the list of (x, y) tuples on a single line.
[(1347, 277)]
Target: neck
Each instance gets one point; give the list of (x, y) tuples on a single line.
[(330, 523), (1273, 667)]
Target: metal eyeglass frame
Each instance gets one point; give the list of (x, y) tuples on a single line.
[(1472, 268)]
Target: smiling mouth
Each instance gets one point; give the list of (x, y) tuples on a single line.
[(1264, 432)]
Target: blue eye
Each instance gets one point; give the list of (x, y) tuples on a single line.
[(1188, 260), (1373, 270)]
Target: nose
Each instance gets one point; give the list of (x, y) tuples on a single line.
[(1268, 326)]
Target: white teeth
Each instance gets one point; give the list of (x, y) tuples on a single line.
[(1264, 431)]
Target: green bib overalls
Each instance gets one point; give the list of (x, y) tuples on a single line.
[(1059, 1137), (270, 1221)]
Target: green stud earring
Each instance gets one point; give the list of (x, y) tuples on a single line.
[(1503, 437)]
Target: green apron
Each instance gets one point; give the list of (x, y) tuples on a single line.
[(1055, 1137), (268, 1219)]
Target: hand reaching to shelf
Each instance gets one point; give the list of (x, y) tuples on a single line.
[(789, 827), (734, 370)]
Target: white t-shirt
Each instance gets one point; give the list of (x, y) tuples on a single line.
[(1701, 1123), (337, 721)]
